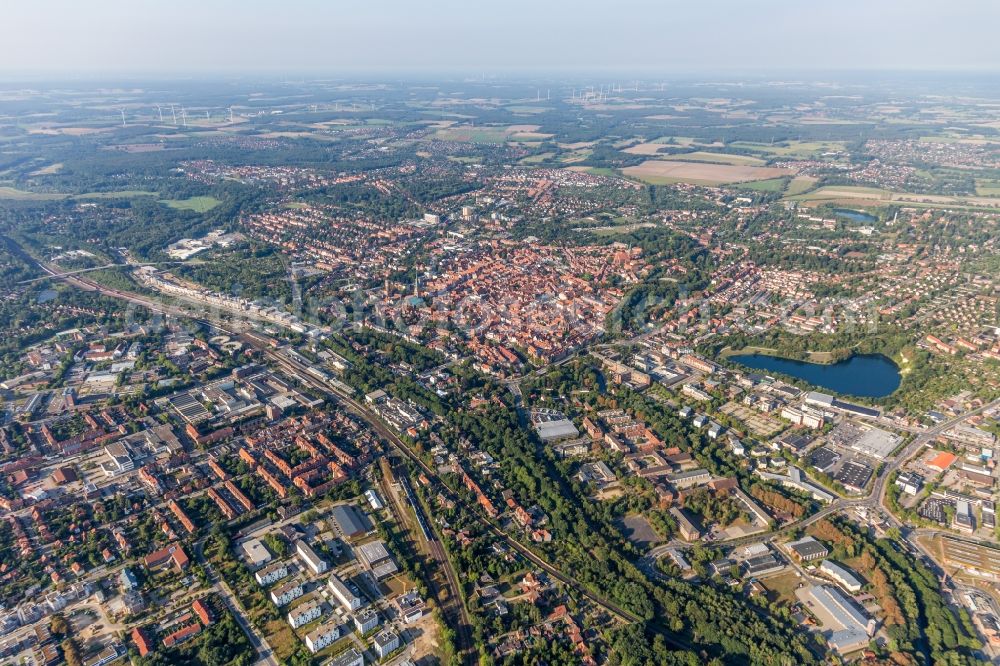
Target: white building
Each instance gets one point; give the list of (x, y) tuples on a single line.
[(323, 636), (385, 643), (909, 482), (286, 593), (411, 607), (271, 574), (842, 575), (350, 657), (121, 459), (756, 549), (365, 620), (309, 557), (845, 627), (304, 614), (256, 553), (373, 500), (347, 598)]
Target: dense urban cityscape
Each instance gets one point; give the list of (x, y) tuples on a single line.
[(500, 369)]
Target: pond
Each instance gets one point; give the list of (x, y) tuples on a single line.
[(862, 375), (856, 215)]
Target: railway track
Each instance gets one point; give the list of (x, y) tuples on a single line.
[(301, 373), (454, 608)]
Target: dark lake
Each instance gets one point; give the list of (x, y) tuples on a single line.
[(856, 215), (866, 376)]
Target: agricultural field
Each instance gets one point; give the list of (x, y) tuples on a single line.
[(719, 158), (24, 195), (988, 188), (769, 185), (535, 159), (870, 196), (48, 170), (576, 156), (645, 149), (490, 134), (796, 149), (116, 194), (664, 172), (800, 184)]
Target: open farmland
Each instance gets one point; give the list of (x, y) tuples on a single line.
[(769, 185), (646, 149), (491, 134), (870, 196), (799, 149), (663, 172), (988, 188), (720, 158)]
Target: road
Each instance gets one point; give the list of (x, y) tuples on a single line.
[(298, 371), (463, 626), (921, 440), (874, 500), (453, 607), (264, 651)]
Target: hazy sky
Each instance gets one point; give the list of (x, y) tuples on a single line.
[(340, 36)]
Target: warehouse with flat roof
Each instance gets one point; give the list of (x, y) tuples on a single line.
[(845, 628), (842, 575), (350, 522)]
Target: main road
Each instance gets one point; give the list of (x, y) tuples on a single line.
[(300, 372), (875, 499)]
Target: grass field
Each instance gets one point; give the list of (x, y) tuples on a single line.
[(48, 170), (535, 159), (197, 204), (800, 184), (870, 196), (769, 185), (116, 194), (720, 158), (802, 149), (528, 109), (977, 139), (576, 156), (687, 141), (490, 134), (664, 172), (988, 188), (24, 195), (645, 149), (597, 171), (782, 586), (530, 136), (838, 193)]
